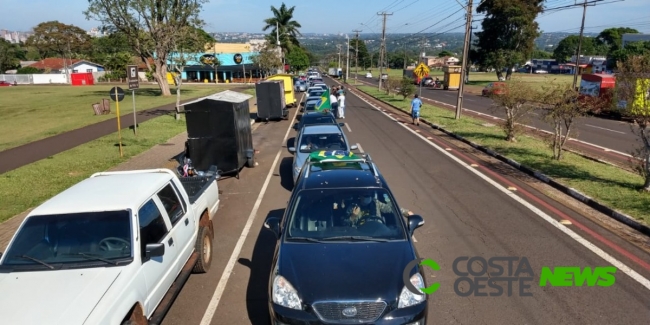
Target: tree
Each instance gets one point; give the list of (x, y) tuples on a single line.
[(561, 109), (509, 33), (392, 84), (153, 28), (406, 87), (568, 47), (189, 48), (612, 38), (515, 98), (267, 59), (633, 94), (29, 70), (630, 49), (298, 59), (283, 26), (444, 53), (55, 38), (10, 56), (364, 57)]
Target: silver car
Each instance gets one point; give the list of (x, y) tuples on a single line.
[(317, 138), (301, 86)]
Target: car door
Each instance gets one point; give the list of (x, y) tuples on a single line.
[(154, 227), (183, 225)]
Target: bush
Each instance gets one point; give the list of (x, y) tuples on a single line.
[(28, 70), (406, 88)]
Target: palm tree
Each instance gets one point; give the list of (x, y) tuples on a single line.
[(287, 29)]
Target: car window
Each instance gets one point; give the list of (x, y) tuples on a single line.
[(328, 141), (72, 238), (325, 214), (172, 204), (152, 225), (318, 119)]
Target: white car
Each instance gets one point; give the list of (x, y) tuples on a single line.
[(368, 75), (107, 250)]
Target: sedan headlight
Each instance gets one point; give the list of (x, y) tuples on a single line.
[(408, 298), (284, 294)]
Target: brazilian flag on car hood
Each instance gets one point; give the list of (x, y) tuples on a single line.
[(324, 102)]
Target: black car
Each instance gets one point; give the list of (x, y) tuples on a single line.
[(330, 268), (315, 117)]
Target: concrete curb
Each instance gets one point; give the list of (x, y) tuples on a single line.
[(618, 216)]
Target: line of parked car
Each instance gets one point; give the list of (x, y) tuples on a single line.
[(343, 244)]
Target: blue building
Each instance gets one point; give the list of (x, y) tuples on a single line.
[(235, 64)]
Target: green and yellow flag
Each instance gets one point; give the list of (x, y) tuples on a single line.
[(324, 102)]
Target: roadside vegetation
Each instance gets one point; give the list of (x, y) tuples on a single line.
[(610, 185), (35, 183), (32, 113)]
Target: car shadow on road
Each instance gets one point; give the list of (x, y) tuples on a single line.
[(286, 173), (260, 269)]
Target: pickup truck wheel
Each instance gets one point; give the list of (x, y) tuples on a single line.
[(204, 249)]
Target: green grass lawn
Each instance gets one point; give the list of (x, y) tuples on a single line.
[(35, 112), (609, 185), (35, 183)]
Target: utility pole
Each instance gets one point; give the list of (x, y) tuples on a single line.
[(468, 31), (472, 28), (382, 50), (356, 57), (338, 46), (347, 59), (582, 28)]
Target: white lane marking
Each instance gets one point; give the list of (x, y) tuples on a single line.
[(415, 240), (348, 127), (218, 292), (595, 249), (360, 148), (598, 127)]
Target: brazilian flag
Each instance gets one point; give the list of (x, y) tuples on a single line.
[(324, 102), (342, 157)]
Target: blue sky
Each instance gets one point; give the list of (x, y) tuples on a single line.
[(343, 16)]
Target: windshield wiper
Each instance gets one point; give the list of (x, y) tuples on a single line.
[(311, 240), (36, 260), (96, 258), (360, 238)]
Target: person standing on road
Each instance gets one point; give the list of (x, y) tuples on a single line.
[(334, 102), (341, 104), (416, 103)]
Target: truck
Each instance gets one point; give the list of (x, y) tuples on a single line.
[(115, 248), (411, 75), (334, 72)]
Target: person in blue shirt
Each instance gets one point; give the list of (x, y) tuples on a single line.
[(416, 103)]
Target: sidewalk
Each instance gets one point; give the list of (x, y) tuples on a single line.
[(34, 151), (160, 156)]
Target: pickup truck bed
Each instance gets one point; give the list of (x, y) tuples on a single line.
[(195, 186)]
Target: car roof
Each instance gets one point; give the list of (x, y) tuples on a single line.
[(322, 129), (351, 175), (105, 193)]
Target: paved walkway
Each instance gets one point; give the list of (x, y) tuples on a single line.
[(160, 156), (34, 151)]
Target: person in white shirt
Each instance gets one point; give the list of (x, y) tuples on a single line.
[(334, 102), (341, 105)]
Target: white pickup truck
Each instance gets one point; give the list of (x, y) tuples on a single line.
[(112, 249)]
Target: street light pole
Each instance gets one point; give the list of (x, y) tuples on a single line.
[(347, 65)]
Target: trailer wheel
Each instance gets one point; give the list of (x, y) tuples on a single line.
[(250, 162), (204, 249)]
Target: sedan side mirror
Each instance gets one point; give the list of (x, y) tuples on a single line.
[(354, 147), (273, 224), (154, 250), (341, 124), (415, 221), (295, 126), (292, 149)]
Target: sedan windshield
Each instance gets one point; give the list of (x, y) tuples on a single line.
[(312, 119), (44, 240), (345, 215), (316, 142)]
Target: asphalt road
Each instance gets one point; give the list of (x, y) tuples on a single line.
[(610, 134), (467, 213)]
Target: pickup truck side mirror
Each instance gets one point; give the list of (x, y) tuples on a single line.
[(415, 221), (274, 225), (354, 147), (154, 250), (292, 149)]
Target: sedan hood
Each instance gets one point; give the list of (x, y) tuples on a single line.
[(346, 271), (53, 297)]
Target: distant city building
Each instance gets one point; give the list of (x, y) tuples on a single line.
[(96, 32), (14, 37)]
